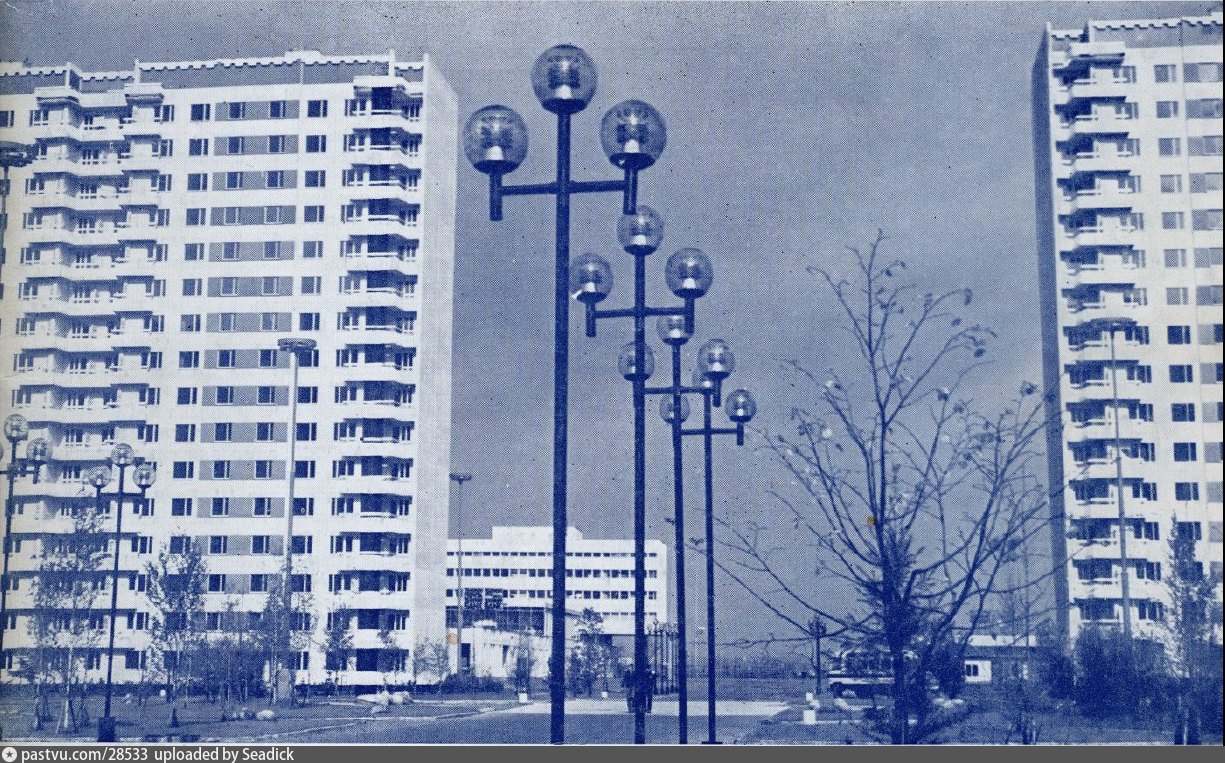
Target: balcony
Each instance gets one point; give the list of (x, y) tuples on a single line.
[(1102, 88), (1099, 162), (1103, 198), (376, 372), (399, 298), (1098, 236)]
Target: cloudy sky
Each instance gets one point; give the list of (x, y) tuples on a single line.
[(795, 129)]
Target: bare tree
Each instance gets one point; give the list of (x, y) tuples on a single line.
[(176, 591), (66, 626), (522, 661), (337, 643), (911, 497), (283, 629), (1191, 643), (432, 659)]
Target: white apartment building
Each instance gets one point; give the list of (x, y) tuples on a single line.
[(1128, 133), (508, 578), (132, 314)]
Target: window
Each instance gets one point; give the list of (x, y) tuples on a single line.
[(1172, 220), (311, 284), (316, 144), (267, 322), (266, 395), (264, 431), (196, 217), (1182, 374), (1204, 145), (197, 147), (312, 249), (263, 469), (180, 507), (1169, 146), (219, 507), (237, 110), (1176, 295), (189, 359), (1165, 73), (278, 109), (315, 109), (1171, 183), (164, 183), (217, 544), (1201, 72), (229, 286), (1185, 451), (1208, 295), (187, 396), (275, 179), (233, 180), (304, 469), (308, 322), (315, 178), (1186, 491), (183, 470), (221, 471), (1204, 108), (261, 507), (163, 148), (189, 323), (201, 112), (1167, 109), (312, 213), (7, 118), (261, 544), (268, 286), (1178, 334), (1205, 182), (234, 144), (222, 432), (1212, 373), (225, 396), (1207, 257), (227, 358), (1206, 219)]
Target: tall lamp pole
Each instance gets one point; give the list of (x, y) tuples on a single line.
[(144, 475), (12, 154), (16, 429), (459, 478), (295, 347), (688, 275), (715, 363), (495, 142)]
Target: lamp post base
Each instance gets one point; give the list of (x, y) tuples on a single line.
[(106, 729)]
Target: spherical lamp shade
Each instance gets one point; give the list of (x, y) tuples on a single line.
[(38, 450), (121, 455), (740, 406), (100, 477), (144, 475), (673, 329), (633, 134), (591, 278), (689, 273), (564, 79), (495, 140), (716, 360), (16, 428), (627, 362), (670, 410), (641, 232), (700, 379)]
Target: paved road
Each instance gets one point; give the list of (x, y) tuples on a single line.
[(587, 722)]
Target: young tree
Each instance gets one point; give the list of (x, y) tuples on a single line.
[(431, 659), (282, 630), (522, 662), (911, 497), (176, 590), (590, 663), (68, 622), (393, 656), (1191, 643), (337, 643)]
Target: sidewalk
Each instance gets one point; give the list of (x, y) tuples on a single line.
[(662, 707)]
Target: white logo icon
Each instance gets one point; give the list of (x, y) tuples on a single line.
[(9, 755)]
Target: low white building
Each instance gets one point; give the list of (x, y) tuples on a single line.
[(507, 583)]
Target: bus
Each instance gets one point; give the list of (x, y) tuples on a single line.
[(863, 672)]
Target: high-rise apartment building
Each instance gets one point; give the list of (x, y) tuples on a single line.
[(178, 220), (1127, 126)]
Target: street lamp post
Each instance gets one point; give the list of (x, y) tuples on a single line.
[(295, 347), (817, 631), (688, 275), (715, 363), (459, 478), (144, 475), (495, 142), (12, 154), (16, 429)]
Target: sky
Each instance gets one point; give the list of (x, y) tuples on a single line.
[(795, 129)]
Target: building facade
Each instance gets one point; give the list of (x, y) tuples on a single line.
[(507, 578), (1128, 132), (132, 315)]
